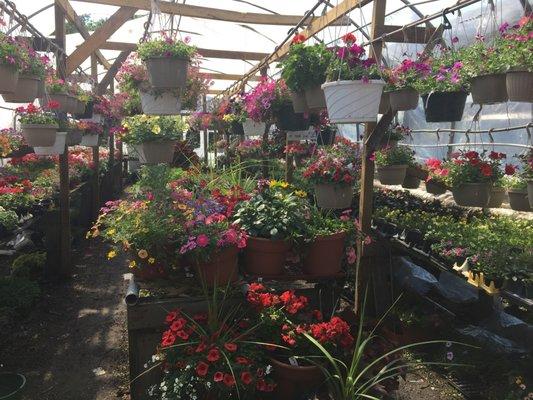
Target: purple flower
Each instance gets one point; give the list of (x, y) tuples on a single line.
[(455, 39), (341, 53), (440, 78), (503, 27), (458, 65)]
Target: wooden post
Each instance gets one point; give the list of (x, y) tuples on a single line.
[(95, 150), (205, 135), (65, 267)]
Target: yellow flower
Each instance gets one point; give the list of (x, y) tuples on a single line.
[(142, 254), (182, 207), (284, 185), (151, 260), (111, 232), (133, 264), (300, 193), (156, 129), (111, 254)]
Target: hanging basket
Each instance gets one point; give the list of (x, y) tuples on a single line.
[(41, 90), (156, 152), (391, 174), (72, 104), (299, 102), (236, 128), (89, 140), (87, 111), (61, 98), (333, 196), (315, 98), (39, 135), (326, 138), (435, 188), (167, 72), (411, 182), (74, 137), (472, 194), (444, 106), (9, 77), (353, 101), (497, 197), (518, 200), (289, 121), (520, 86), (165, 103), (26, 90), (252, 128), (57, 148), (489, 89), (403, 99), (80, 107)]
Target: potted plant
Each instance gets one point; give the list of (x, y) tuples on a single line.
[(154, 137), (90, 133), (401, 81), (445, 89), (74, 134), (30, 76), (392, 163), (517, 189), (167, 61), (234, 116), (38, 125), (435, 181), (393, 135), (412, 180), (57, 91), (354, 85), (471, 176), (10, 64), (516, 55), (56, 149), (273, 218), (333, 172)]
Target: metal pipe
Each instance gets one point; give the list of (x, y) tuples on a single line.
[(494, 130), (132, 293), (489, 144)]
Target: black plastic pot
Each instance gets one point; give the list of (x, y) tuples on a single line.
[(287, 120), (88, 111), (444, 106), (236, 128), (326, 137), (414, 238)]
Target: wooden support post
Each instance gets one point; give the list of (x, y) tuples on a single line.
[(205, 133), (95, 150), (65, 267)]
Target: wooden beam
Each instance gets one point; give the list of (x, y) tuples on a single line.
[(227, 77), (75, 19), (207, 53), (187, 10), (99, 36), (111, 73), (412, 34), (214, 91)]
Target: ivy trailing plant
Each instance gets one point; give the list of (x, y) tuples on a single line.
[(166, 47)]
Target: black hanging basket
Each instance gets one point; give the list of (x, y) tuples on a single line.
[(236, 128), (444, 106), (287, 120), (88, 111), (326, 137)]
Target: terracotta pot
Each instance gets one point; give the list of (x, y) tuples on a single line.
[(324, 255), (74, 137), (384, 103), (497, 196), (315, 98), (520, 86), (411, 182), (9, 77), (472, 194), (295, 381), (265, 257), (26, 91), (444, 106), (299, 102), (489, 89), (62, 98), (391, 174), (288, 120), (333, 196), (530, 193), (166, 103), (518, 200), (156, 152), (403, 99), (39, 135), (167, 73), (221, 270), (435, 188)]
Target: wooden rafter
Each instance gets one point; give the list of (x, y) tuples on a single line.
[(111, 73), (99, 36), (227, 77), (75, 19), (413, 34)]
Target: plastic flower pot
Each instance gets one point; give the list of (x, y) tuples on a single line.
[(11, 386), (87, 111), (252, 128), (26, 90), (315, 98), (435, 188), (444, 106), (403, 99), (326, 138), (497, 196), (167, 72), (333, 196), (411, 182), (165, 103), (74, 137), (265, 257), (391, 174), (489, 89), (221, 270), (353, 101), (530, 192), (384, 103), (236, 128), (160, 152), (292, 381), (39, 135), (57, 148), (520, 86), (518, 199), (289, 121), (299, 102), (324, 255), (472, 194), (61, 98), (89, 140), (9, 76)]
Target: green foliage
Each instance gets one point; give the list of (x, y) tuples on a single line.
[(8, 219), (517, 47), (165, 48), (16, 201), (481, 59), (17, 295), (144, 128), (514, 182), (28, 266), (305, 66), (399, 155), (86, 19), (10, 52)]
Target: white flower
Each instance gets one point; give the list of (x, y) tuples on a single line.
[(268, 369)]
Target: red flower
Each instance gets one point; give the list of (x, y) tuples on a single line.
[(178, 324), (229, 380), (242, 360), (218, 377), (472, 155), (213, 355), (202, 368), (246, 377), (201, 347), (510, 169), (53, 105), (349, 38), (317, 315), (230, 347), (485, 169), (298, 38), (182, 335), (168, 338)]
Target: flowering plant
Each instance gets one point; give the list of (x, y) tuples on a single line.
[(32, 63), (517, 45), (197, 84), (133, 75), (90, 128), (514, 181), (56, 86), (250, 148), (10, 140), (527, 162), (10, 52), (482, 58), (436, 171), (406, 74), (446, 75), (143, 128), (393, 156), (264, 101), (199, 121), (300, 149), (166, 47), (471, 167), (32, 114)]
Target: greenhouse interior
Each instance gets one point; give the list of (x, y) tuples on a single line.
[(266, 200)]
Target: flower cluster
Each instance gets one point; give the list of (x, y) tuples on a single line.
[(517, 44), (472, 167), (263, 101), (166, 47), (144, 128), (436, 171), (406, 74), (447, 74), (10, 52), (90, 128), (31, 114), (10, 140), (300, 149)]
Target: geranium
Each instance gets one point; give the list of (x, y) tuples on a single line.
[(436, 171), (31, 114), (263, 101), (349, 63), (300, 149), (472, 167)]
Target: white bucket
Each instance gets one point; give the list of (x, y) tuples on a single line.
[(349, 102), (252, 128), (90, 140), (56, 149), (166, 103)]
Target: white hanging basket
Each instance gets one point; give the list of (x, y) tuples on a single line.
[(156, 152), (252, 128), (89, 140), (165, 103), (56, 149), (350, 102)]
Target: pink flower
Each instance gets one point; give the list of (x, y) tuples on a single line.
[(202, 240)]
